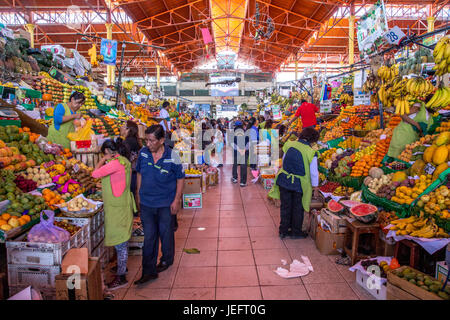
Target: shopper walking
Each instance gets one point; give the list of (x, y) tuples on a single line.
[(129, 133), (160, 182), (115, 171), (295, 182), (254, 139), (164, 118), (240, 146)]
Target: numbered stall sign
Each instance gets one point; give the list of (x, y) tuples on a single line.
[(395, 35)]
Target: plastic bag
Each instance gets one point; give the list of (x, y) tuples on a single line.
[(46, 231)]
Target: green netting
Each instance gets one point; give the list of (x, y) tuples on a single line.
[(322, 170), (349, 182), (34, 94), (436, 184), (334, 143), (401, 210)]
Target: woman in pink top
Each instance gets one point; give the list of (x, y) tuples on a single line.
[(118, 202)]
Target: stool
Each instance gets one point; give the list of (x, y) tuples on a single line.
[(414, 252), (354, 230)]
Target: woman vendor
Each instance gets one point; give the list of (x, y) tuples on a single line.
[(63, 119), (294, 184), (411, 128), (115, 171)]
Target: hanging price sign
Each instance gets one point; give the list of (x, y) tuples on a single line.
[(395, 35)]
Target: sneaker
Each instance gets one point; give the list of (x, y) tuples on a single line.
[(283, 235), (162, 266), (243, 185), (234, 180), (146, 278), (117, 283), (301, 235)]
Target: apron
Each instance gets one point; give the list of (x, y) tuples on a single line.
[(118, 210), (405, 134), (60, 136), (308, 154)]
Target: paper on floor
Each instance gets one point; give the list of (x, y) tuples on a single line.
[(296, 269)]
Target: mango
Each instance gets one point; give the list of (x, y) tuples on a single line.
[(440, 155), (428, 154), (441, 168), (443, 139)]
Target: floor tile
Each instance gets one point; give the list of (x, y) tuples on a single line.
[(242, 276), (330, 291), (232, 207), (236, 232), (205, 222), (232, 222), (193, 294), (267, 243), (182, 233), (291, 292), (268, 277), (231, 214), (201, 243), (147, 294), (271, 256), (196, 277), (235, 258), (238, 293), (360, 292), (202, 259), (209, 232), (260, 222), (258, 232), (234, 243)]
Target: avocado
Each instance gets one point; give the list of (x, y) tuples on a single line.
[(412, 281), (420, 283), (24, 200), (434, 288), (437, 283), (410, 276), (447, 289), (443, 295), (424, 288)]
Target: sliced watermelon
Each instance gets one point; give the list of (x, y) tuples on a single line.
[(349, 203), (334, 206), (363, 209)]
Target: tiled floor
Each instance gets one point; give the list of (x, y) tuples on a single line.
[(239, 251)]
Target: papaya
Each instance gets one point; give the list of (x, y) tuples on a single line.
[(428, 154), (417, 169), (399, 176), (441, 168), (443, 139), (440, 155)]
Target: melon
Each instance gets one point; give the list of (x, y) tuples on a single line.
[(376, 173), (364, 212), (334, 206), (350, 203)]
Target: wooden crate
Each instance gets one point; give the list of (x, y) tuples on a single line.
[(395, 293), (410, 288), (3, 286), (91, 287), (89, 159)]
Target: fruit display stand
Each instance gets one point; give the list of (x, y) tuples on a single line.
[(86, 151)]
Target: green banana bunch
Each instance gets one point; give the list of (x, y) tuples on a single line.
[(441, 54)]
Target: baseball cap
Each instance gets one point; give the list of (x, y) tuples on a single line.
[(238, 123)]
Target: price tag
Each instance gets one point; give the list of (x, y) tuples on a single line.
[(429, 168), (395, 35), (76, 168), (383, 137)]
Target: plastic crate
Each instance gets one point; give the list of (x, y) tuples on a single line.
[(47, 294), (45, 254), (401, 210), (96, 238), (34, 94), (379, 294), (334, 143), (23, 275)]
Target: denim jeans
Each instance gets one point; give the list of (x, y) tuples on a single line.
[(158, 225)]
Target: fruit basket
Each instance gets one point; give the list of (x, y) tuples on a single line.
[(80, 207)]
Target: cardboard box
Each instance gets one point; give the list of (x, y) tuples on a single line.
[(441, 271), (337, 223), (268, 183), (90, 285), (78, 257), (192, 185), (192, 201), (327, 243)]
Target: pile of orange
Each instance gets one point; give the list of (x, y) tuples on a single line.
[(8, 222), (362, 167), (52, 198), (67, 153)]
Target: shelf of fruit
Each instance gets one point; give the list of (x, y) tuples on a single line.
[(106, 126)]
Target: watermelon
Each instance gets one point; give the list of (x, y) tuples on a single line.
[(349, 203), (334, 206), (364, 212)]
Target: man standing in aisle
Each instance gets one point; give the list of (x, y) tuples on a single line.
[(160, 181), (307, 111), (164, 119)]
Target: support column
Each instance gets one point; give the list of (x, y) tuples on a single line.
[(296, 68), (351, 38), (158, 76), (110, 70), (430, 19), (30, 28)]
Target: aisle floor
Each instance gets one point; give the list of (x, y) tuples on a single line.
[(239, 251)]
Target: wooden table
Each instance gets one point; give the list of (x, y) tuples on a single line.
[(354, 230)]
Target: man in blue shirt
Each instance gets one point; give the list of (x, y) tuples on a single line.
[(160, 181)]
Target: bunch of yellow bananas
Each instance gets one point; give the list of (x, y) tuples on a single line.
[(401, 106), (441, 56), (346, 98), (420, 227), (419, 87), (385, 95), (387, 73), (440, 99), (128, 85)]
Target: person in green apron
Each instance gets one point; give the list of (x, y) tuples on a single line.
[(410, 129), (63, 119), (118, 201), (294, 183)]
